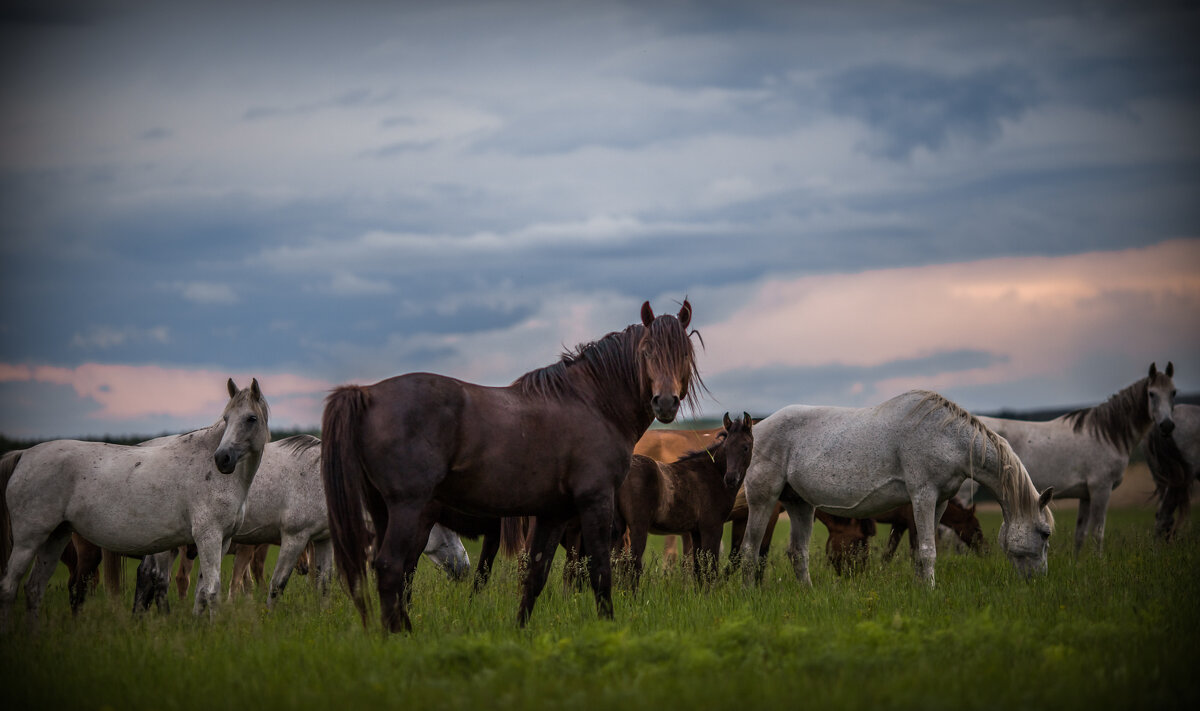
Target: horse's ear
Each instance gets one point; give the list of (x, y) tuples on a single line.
[(254, 389), (1044, 499), (233, 389), (647, 314), (1153, 370), (727, 422), (685, 314), (747, 420), (1170, 369), (971, 510)]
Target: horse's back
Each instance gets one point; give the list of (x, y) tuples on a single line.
[(90, 484), (1057, 455), (286, 494)]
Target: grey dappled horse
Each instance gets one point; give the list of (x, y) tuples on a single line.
[(861, 462), (133, 500)]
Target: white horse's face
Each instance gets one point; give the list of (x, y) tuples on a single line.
[(446, 550), (246, 431), (1160, 397), (1026, 542)]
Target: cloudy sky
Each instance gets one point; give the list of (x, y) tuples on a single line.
[(999, 201)]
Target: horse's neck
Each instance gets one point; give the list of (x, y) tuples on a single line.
[(1121, 421)]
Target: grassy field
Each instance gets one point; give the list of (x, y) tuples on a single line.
[(1112, 632)]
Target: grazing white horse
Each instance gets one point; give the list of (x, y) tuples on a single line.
[(1083, 455), (133, 500), (861, 462), (1174, 461)]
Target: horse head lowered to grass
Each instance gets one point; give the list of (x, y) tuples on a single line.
[(555, 444), (860, 462)]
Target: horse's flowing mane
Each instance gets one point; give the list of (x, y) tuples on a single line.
[(1119, 421), (613, 359), (1016, 488)]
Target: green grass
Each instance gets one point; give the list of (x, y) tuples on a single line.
[(1116, 631)]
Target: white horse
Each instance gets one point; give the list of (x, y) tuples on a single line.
[(861, 462), (1174, 461), (286, 507), (133, 500), (1083, 455)]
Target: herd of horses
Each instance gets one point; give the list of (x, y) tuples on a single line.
[(564, 456)]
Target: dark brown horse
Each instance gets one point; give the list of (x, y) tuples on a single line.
[(692, 495), (554, 444), (959, 518)]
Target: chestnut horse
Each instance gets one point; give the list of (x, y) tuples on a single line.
[(554, 444)]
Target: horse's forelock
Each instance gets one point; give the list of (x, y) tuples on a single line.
[(256, 403), (667, 346)]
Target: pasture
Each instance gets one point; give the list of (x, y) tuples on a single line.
[(1117, 631)]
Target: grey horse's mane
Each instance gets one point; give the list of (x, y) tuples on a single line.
[(1016, 489), (1119, 420), (299, 443)]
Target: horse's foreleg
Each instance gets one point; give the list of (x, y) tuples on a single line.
[(290, 549), (210, 547), (543, 541), (707, 552), (638, 535), (800, 515), (925, 517), (596, 523)]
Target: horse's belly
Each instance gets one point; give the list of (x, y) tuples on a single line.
[(862, 502)]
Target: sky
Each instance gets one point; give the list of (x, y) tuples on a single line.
[(998, 201)]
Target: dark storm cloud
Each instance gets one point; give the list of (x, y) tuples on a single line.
[(911, 108)]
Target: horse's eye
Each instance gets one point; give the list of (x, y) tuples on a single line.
[(1172, 393), (252, 419)]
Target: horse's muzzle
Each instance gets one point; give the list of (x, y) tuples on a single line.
[(665, 407), (1166, 427), (226, 461)]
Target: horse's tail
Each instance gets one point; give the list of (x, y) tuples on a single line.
[(114, 572), (7, 464), (343, 473), (512, 534)]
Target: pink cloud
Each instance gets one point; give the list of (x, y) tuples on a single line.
[(1044, 314), (132, 391)]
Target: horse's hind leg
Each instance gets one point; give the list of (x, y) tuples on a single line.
[(800, 514), (44, 564), (1081, 523), (396, 560), (543, 541), (322, 566), (1097, 516), (487, 557), (290, 549)]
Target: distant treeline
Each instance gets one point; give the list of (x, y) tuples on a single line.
[(7, 444)]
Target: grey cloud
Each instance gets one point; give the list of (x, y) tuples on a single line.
[(769, 388), (910, 108)]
